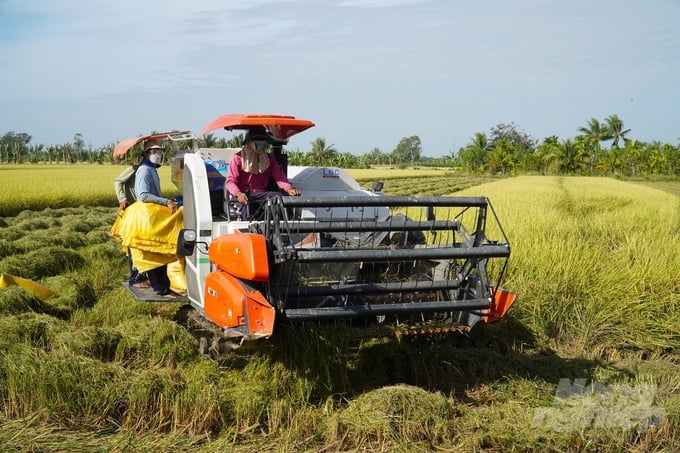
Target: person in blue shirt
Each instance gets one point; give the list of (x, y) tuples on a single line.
[(148, 190)]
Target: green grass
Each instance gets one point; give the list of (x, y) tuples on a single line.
[(594, 263)]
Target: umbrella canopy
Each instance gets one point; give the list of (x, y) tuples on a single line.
[(124, 145), (281, 127)]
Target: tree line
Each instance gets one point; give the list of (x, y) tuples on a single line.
[(16, 148), (600, 148)]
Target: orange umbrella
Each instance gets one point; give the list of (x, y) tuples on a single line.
[(124, 145), (281, 127)]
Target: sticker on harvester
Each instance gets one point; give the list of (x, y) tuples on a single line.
[(331, 173)]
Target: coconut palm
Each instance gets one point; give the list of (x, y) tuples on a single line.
[(209, 140), (633, 157), (545, 153), (321, 153), (473, 155), (611, 162), (569, 157), (234, 142), (594, 131), (615, 130), (500, 158), (656, 158), (592, 135)]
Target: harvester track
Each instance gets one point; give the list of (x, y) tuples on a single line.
[(213, 342)]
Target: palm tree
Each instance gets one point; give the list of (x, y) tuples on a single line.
[(593, 134), (235, 142), (615, 130), (611, 162), (633, 156), (209, 140), (501, 157), (569, 157), (320, 153), (474, 153), (656, 159), (545, 153), (594, 131)]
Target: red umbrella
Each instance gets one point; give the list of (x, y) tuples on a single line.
[(124, 145), (281, 127)]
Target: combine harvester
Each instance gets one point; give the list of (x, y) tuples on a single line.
[(338, 252), (397, 264)]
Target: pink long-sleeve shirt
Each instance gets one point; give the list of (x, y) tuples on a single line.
[(241, 181)]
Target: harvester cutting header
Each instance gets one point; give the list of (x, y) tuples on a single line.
[(335, 252)]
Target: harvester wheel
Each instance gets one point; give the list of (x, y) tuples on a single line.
[(203, 346)]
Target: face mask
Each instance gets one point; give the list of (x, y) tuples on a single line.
[(156, 158), (260, 145)]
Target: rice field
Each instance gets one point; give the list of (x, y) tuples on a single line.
[(586, 360), (34, 187)]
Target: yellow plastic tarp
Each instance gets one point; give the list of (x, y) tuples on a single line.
[(38, 290), (178, 281), (150, 231)]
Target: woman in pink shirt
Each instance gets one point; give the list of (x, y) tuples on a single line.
[(250, 170)]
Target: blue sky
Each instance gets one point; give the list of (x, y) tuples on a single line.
[(367, 72)]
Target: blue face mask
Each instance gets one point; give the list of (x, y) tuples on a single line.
[(260, 145)]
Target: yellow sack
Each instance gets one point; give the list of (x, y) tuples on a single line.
[(41, 292), (149, 226), (145, 261), (150, 231), (178, 280)]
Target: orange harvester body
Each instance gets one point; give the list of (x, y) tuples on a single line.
[(229, 302)]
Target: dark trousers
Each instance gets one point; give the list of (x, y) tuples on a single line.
[(135, 275), (159, 280)]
